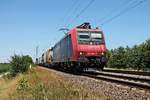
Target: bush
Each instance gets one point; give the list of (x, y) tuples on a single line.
[(20, 64)]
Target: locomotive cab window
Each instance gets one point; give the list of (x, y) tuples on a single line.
[(96, 36), (83, 36), (88, 37)]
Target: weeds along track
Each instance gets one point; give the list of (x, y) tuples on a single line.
[(140, 81)]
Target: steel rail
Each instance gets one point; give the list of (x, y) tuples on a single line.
[(128, 80), (141, 78), (128, 72)]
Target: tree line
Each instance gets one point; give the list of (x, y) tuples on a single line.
[(136, 57)]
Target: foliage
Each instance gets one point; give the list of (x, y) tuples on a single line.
[(137, 57), (33, 65), (28, 59), (20, 64)]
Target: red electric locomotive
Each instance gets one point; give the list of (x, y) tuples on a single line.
[(82, 47)]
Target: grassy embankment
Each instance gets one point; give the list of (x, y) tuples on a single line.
[(39, 84)]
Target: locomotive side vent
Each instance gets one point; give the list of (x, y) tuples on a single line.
[(85, 25)]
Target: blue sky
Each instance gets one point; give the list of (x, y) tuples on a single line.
[(24, 24)]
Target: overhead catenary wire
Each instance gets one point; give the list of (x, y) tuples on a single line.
[(102, 20), (82, 11), (76, 7), (68, 12), (111, 12), (71, 9), (134, 5)]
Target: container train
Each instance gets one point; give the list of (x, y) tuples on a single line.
[(82, 47)]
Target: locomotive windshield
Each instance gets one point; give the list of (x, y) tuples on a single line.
[(84, 36), (97, 36), (94, 38)]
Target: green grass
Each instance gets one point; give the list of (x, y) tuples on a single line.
[(4, 67), (33, 65)]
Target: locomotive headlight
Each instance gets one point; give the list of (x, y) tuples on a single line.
[(81, 53), (102, 53)]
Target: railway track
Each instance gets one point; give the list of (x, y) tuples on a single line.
[(140, 81), (133, 80), (128, 72)]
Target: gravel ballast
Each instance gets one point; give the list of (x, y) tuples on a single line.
[(113, 91)]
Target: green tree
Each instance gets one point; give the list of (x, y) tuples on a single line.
[(145, 52), (20, 64), (28, 59), (118, 58)]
